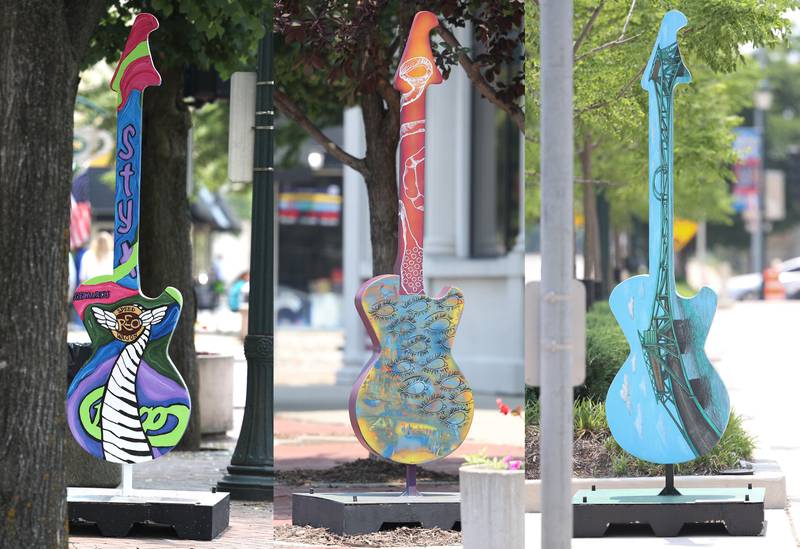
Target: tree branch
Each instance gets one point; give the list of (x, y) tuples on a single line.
[(619, 41), (621, 93), (587, 28), (290, 109), (475, 76)]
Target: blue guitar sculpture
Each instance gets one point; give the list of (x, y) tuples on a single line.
[(666, 404)]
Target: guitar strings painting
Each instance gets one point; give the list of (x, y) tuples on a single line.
[(128, 403), (411, 404), (666, 404)]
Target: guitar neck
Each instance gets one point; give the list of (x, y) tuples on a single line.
[(415, 72), (135, 72), (128, 180), (666, 71), (661, 182), (412, 194)]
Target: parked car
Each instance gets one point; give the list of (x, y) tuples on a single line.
[(748, 286)]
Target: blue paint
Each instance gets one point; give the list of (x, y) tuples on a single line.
[(128, 179), (668, 404)]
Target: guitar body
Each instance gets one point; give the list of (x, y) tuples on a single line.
[(666, 404), (128, 403), (669, 431), (411, 404)]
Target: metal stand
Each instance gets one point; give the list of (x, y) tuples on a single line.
[(669, 482), (411, 481), (126, 488)]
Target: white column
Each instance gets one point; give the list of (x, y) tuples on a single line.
[(447, 148), (356, 247)]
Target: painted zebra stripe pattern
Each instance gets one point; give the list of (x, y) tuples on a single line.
[(124, 440)]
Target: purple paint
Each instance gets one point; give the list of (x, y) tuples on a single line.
[(125, 173), (153, 389), (94, 380), (126, 153), (125, 219)]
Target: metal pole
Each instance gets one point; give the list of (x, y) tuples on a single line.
[(757, 237), (251, 474), (557, 256)]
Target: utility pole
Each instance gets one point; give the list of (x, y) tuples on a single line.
[(251, 474), (557, 272), (761, 104)]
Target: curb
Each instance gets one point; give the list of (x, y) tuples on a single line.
[(766, 475)]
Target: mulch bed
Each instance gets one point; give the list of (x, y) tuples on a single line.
[(591, 460), (360, 471), (398, 537)]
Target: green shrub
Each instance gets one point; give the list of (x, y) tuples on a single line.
[(606, 351)]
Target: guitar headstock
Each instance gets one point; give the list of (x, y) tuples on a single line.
[(417, 68), (135, 70), (665, 68)]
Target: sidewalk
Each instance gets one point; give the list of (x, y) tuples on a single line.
[(250, 522), (312, 424)]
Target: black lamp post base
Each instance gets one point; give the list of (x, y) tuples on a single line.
[(248, 483)]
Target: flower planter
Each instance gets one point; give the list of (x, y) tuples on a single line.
[(492, 507), (215, 373)]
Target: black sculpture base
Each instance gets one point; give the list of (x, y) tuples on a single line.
[(365, 512), (740, 510), (193, 515)]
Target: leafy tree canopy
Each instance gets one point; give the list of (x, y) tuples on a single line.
[(613, 40), (222, 34)]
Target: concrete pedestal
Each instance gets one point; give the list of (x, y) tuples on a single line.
[(740, 510), (365, 512), (492, 505), (193, 515)]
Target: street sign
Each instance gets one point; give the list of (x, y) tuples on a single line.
[(241, 137), (775, 195)]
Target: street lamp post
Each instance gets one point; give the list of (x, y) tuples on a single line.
[(251, 473)]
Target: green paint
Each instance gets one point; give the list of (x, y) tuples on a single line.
[(156, 417), (649, 496), (141, 50), (92, 400), (176, 295)]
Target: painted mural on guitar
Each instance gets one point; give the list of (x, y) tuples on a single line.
[(128, 403), (411, 404), (666, 404)]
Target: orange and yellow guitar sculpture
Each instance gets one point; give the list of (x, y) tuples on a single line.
[(411, 404)]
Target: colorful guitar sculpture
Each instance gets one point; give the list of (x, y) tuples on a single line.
[(128, 403), (411, 404), (666, 404)]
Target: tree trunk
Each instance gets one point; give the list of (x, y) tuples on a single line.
[(41, 46), (591, 235), (165, 229), (381, 129)]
